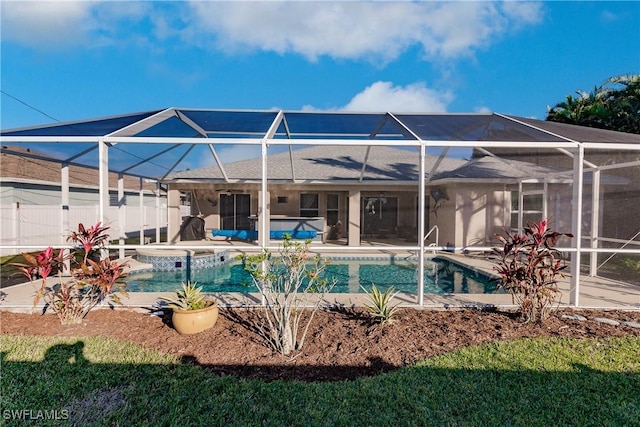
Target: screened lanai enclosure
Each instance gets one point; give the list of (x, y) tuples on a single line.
[(364, 183)]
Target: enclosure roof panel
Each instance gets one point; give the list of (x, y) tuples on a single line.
[(89, 128), (212, 123), (229, 123), (472, 127)]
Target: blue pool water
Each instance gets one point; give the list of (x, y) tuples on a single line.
[(441, 276)]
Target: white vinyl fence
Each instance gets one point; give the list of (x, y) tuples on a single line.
[(32, 225)]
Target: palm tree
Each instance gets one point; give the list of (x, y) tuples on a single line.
[(613, 105)]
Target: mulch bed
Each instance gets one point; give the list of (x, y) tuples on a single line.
[(341, 344)]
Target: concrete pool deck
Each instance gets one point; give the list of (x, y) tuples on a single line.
[(595, 292)]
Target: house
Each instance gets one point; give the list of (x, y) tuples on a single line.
[(469, 200), (36, 210)]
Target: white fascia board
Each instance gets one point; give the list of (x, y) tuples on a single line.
[(49, 139), (613, 146), (347, 142), (430, 143), (171, 140), (9, 180)]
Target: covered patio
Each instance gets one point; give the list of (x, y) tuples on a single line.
[(417, 183)]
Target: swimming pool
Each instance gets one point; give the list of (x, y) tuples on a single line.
[(441, 276)]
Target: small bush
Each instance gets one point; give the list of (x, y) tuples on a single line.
[(92, 281), (288, 283), (380, 306), (528, 267)]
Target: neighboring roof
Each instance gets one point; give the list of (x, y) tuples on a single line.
[(581, 133), (325, 163), (24, 165)]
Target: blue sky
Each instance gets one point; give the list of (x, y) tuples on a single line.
[(74, 60), (89, 59)]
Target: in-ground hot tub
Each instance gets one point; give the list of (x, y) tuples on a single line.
[(171, 259)]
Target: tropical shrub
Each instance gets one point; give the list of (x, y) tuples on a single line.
[(529, 268), (190, 297), (379, 306), (290, 284), (90, 282)]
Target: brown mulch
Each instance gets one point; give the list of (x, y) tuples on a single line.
[(341, 344)]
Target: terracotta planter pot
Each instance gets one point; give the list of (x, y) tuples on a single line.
[(188, 322)]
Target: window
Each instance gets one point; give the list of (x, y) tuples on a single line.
[(309, 204), (333, 205), (533, 208)]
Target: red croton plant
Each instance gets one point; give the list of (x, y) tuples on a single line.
[(529, 268), (89, 283)]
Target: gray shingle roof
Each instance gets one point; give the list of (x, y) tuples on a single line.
[(323, 163)]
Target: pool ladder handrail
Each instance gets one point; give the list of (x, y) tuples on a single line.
[(437, 230)]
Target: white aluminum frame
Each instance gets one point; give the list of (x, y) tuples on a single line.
[(569, 147)]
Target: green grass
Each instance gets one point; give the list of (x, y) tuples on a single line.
[(531, 382)]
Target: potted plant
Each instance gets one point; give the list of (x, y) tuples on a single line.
[(192, 311)]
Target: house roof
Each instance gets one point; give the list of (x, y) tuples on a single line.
[(490, 168), (325, 163)]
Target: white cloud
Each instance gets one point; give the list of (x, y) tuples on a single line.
[(47, 22), (376, 31), (63, 24), (384, 96), (482, 109)]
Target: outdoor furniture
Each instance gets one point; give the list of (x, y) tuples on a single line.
[(274, 235)]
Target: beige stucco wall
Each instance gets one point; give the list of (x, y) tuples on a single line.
[(471, 216)]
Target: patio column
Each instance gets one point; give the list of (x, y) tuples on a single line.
[(122, 215), (103, 179), (143, 213), (595, 222), (421, 225), (264, 230), (173, 215), (64, 191), (354, 218), (576, 226), (158, 217)]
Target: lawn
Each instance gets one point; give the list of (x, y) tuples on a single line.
[(528, 382)]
